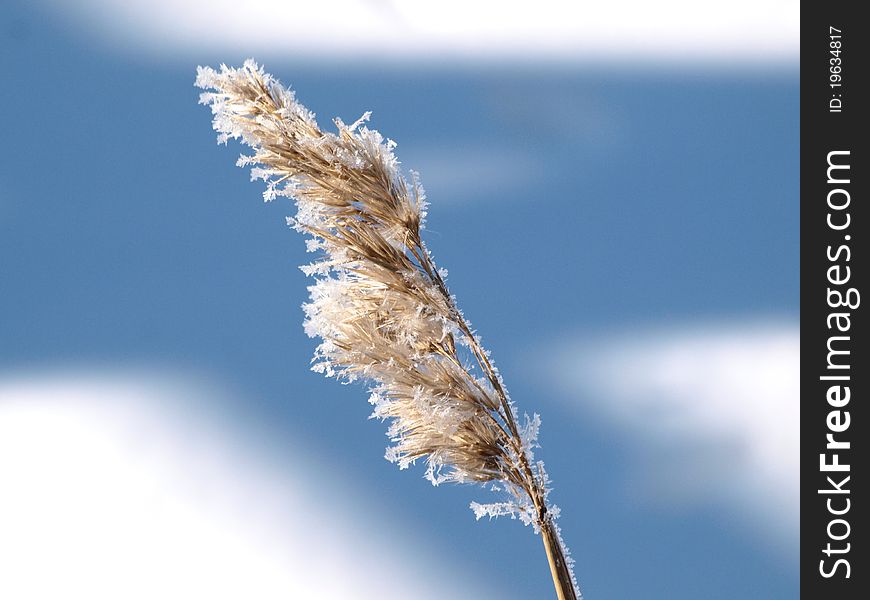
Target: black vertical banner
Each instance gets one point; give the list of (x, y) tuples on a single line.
[(835, 373)]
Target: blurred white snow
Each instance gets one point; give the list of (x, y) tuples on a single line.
[(124, 486), (740, 32), (709, 414)]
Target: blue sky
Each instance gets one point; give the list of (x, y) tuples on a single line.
[(583, 211)]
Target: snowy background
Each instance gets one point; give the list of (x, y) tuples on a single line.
[(614, 192)]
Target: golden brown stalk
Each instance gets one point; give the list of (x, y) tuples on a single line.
[(560, 569), (380, 305)]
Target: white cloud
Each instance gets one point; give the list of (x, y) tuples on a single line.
[(710, 414), (746, 31), (110, 490)]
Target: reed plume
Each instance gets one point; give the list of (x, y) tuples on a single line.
[(381, 307)]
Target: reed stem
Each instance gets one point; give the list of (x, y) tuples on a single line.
[(558, 567)]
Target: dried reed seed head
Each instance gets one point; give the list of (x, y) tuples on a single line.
[(379, 304)]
